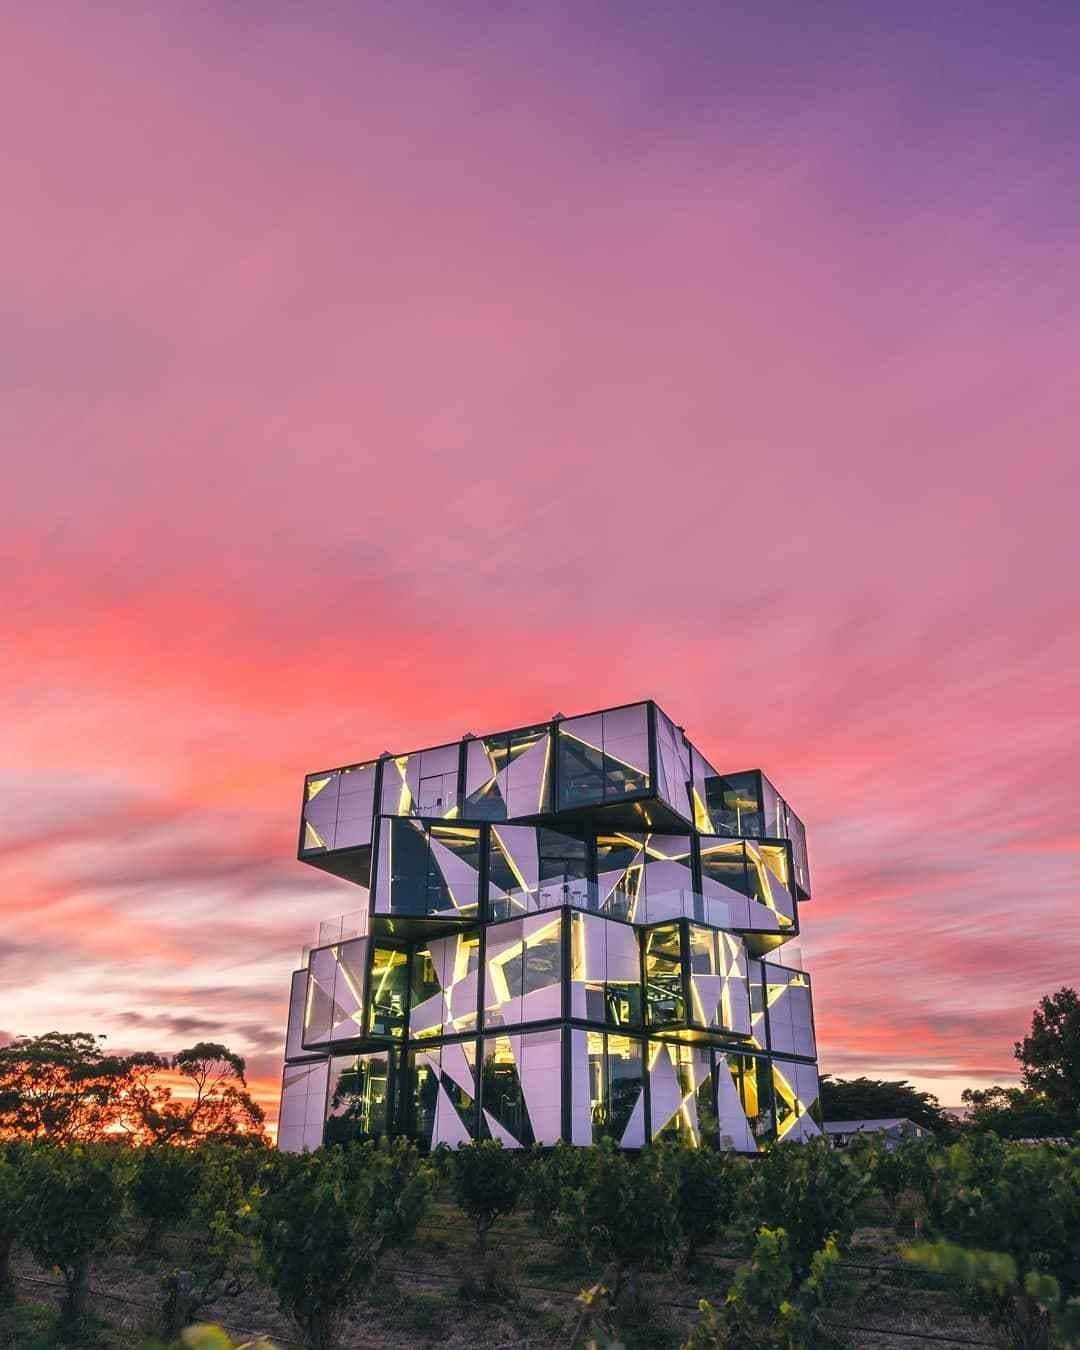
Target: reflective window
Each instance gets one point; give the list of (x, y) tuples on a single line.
[(294, 1036), (508, 775), (339, 808), (605, 971), (718, 988), (334, 1003), (664, 1000), (603, 757), (643, 877), (769, 873), (358, 1101), (445, 986), (798, 1110), (522, 1088), (608, 1077), (752, 879), (428, 869), (673, 766), (421, 784), (303, 1106), (443, 1094), (744, 1097), (680, 1083), (733, 803), (531, 868), (791, 1030), (523, 971), (797, 835), (389, 991)]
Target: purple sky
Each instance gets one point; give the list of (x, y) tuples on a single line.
[(371, 373)]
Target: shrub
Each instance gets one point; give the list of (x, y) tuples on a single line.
[(163, 1189), (708, 1187), (72, 1204), (487, 1181)]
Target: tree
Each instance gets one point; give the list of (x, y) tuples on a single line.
[(1015, 1113), (12, 1157), (487, 1181), (1050, 1054), (708, 1190), (878, 1099), (61, 1087), (72, 1201), (216, 1106)]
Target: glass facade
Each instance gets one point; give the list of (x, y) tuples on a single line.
[(567, 931)]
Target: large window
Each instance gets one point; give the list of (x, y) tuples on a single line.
[(605, 971), (303, 1106), (421, 784), (522, 1088), (428, 869), (603, 757), (523, 971), (796, 1097), (531, 868), (445, 986), (389, 991), (744, 1101), (752, 879), (608, 1078), (359, 1099), (673, 766), (334, 1003), (443, 1092), (791, 1025), (643, 877), (508, 775), (680, 1092), (665, 1003), (718, 988), (339, 808)]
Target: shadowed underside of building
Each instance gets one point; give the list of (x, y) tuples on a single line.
[(572, 930)]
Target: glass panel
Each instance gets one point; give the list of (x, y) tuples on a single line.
[(522, 1088), (531, 868), (770, 877), (701, 770), (673, 766), (773, 811), (733, 804), (736, 1099), (320, 812), (303, 1105), (669, 882), (663, 975), (620, 873), (797, 834), (453, 879), (605, 971), (523, 971), (612, 1089), (294, 1037), (356, 806), (677, 1073), (626, 751), (358, 1105), (423, 783), (443, 1094), (389, 992), (428, 869), (603, 757), (445, 986), (334, 1006)]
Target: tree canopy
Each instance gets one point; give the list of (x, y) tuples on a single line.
[(1050, 1053), (879, 1099), (1015, 1113)]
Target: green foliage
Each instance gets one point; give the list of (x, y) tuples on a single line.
[(59, 1087), (767, 1305), (1050, 1053), (709, 1188), (12, 1157), (487, 1182), (326, 1219), (1015, 1113), (207, 1337), (811, 1191), (72, 1201), (550, 1173), (880, 1099), (163, 1189)]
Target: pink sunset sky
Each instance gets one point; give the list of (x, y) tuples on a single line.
[(370, 373)]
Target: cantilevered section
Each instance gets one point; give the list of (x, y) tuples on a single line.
[(565, 931)]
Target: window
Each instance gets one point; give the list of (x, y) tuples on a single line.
[(421, 784), (428, 869), (603, 757), (339, 808), (664, 1000), (523, 971), (531, 868), (522, 1088), (358, 1105), (389, 991), (608, 1077), (445, 987), (605, 971), (508, 775)]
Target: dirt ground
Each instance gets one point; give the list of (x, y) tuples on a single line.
[(426, 1297)]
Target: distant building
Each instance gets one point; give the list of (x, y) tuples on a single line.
[(572, 930), (890, 1132)]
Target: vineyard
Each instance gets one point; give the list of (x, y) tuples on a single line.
[(971, 1243)]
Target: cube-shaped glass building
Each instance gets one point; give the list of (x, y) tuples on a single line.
[(571, 930)]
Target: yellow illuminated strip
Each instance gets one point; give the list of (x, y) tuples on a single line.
[(544, 772), (605, 754), (510, 860), (316, 786)]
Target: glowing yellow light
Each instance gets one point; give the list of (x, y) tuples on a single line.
[(316, 786)]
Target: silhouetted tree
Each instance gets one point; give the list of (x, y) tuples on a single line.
[(1050, 1054), (216, 1106), (878, 1099)]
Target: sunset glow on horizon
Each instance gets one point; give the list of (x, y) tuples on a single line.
[(372, 374)]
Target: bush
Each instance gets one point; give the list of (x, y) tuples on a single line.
[(163, 1189), (709, 1188), (71, 1209), (12, 1157), (811, 1192), (487, 1182), (326, 1220)]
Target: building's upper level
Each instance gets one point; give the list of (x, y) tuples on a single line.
[(626, 768)]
